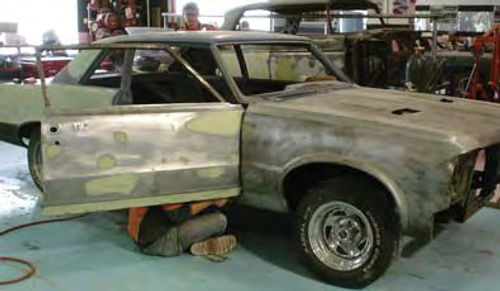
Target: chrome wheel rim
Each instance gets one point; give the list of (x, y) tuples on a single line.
[(341, 236)]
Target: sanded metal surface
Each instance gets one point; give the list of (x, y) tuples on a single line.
[(145, 151), (413, 155)]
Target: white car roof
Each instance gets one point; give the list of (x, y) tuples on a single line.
[(205, 37)]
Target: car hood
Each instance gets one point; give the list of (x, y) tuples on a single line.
[(469, 124)]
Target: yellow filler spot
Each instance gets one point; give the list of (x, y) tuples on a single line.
[(120, 136), (119, 184), (53, 151), (106, 162), (285, 69), (213, 172), (217, 123)]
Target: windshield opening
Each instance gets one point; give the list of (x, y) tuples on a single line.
[(266, 68), (310, 22)]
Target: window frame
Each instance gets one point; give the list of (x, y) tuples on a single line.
[(91, 69), (208, 46), (105, 47), (335, 13), (245, 99)]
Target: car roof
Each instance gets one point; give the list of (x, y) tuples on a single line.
[(204, 37), (305, 5), (233, 16)]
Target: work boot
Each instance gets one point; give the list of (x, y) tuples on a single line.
[(216, 246), (200, 228)]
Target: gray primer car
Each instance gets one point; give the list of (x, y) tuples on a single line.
[(359, 166)]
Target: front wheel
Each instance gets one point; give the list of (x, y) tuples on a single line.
[(348, 231), (35, 158)]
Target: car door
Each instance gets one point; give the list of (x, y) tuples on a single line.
[(139, 155)]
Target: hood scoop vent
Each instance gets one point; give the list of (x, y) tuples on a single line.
[(446, 100), (404, 111)]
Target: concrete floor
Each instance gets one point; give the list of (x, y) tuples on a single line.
[(94, 252)]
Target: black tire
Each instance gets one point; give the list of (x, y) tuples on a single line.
[(379, 215), (35, 158)]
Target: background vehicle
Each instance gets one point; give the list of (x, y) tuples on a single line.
[(18, 63), (371, 52)]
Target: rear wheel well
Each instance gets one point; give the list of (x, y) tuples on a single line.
[(26, 129), (299, 180)]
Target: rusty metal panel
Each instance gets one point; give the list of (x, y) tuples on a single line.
[(126, 156)]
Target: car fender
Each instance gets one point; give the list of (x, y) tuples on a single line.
[(394, 189)]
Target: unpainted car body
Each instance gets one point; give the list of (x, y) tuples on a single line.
[(273, 144)]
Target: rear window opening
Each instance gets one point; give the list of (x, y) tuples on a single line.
[(267, 68)]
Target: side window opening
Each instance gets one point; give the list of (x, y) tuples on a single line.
[(256, 20), (159, 78), (273, 68), (153, 76), (203, 61), (107, 72)]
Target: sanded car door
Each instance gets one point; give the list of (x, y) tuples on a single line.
[(139, 155)]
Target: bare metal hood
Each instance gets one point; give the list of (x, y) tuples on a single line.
[(468, 124)]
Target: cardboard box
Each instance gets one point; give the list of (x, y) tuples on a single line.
[(8, 27), (12, 39)]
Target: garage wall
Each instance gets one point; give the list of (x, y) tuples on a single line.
[(458, 2), (36, 16)]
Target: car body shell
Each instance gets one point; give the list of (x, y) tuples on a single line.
[(410, 143)]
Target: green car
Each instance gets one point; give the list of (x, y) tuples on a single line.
[(267, 119)]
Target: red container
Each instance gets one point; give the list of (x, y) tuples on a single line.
[(9, 73), (51, 66)]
